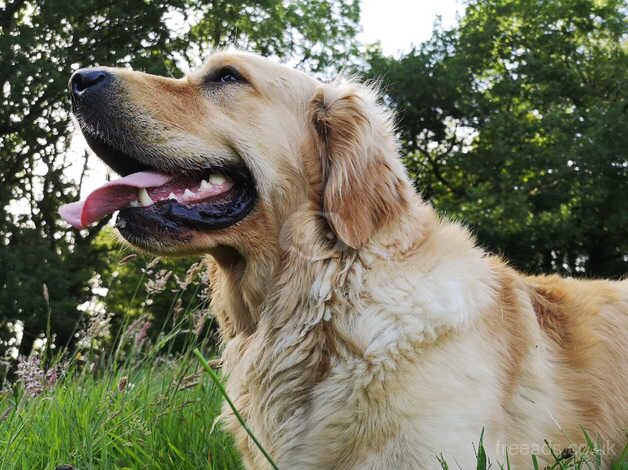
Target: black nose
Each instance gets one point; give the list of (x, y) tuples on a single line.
[(89, 79)]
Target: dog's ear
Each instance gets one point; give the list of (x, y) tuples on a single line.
[(362, 179)]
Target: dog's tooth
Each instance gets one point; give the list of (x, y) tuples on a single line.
[(172, 196), (135, 203), (217, 179), (187, 194), (205, 186), (144, 198)]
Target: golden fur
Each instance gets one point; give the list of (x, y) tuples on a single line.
[(360, 329)]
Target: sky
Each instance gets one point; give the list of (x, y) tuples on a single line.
[(399, 24), (396, 24)]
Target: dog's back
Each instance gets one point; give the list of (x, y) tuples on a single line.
[(589, 322)]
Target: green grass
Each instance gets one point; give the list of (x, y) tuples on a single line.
[(162, 418), (155, 414)]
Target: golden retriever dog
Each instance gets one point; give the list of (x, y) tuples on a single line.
[(361, 330)]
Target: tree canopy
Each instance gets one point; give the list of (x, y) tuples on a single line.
[(514, 122)]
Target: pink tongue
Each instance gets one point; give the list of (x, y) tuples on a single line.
[(109, 198)]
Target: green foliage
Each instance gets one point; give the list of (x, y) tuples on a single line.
[(157, 414), (514, 122), (316, 34), (134, 404), (41, 44), (164, 291), (482, 459), (30, 263)]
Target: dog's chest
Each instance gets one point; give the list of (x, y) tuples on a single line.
[(373, 375), (366, 407)]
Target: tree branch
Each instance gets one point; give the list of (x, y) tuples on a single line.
[(83, 171), (436, 170)]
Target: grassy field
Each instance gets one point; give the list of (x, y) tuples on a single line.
[(154, 414)]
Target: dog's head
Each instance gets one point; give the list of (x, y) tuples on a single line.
[(237, 157)]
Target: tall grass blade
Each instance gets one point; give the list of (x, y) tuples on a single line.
[(223, 392), (621, 463), (481, 454), (535, 462)]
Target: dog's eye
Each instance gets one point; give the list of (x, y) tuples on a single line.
[(225, 75), (229, 77)]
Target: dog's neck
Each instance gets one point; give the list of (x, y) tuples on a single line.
[(295, 338), (303, 272)]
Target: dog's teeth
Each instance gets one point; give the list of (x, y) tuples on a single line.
[(144, 198), (172, 196), (205, 186), (217, 179), (187, 194), (135, 203)]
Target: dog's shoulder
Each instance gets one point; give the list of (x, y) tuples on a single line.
[(573, 310)]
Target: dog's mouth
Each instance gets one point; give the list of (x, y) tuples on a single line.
[(172, 202)]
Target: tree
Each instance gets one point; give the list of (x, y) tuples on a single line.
[(314, 34), (41, 43), (514, 122)]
